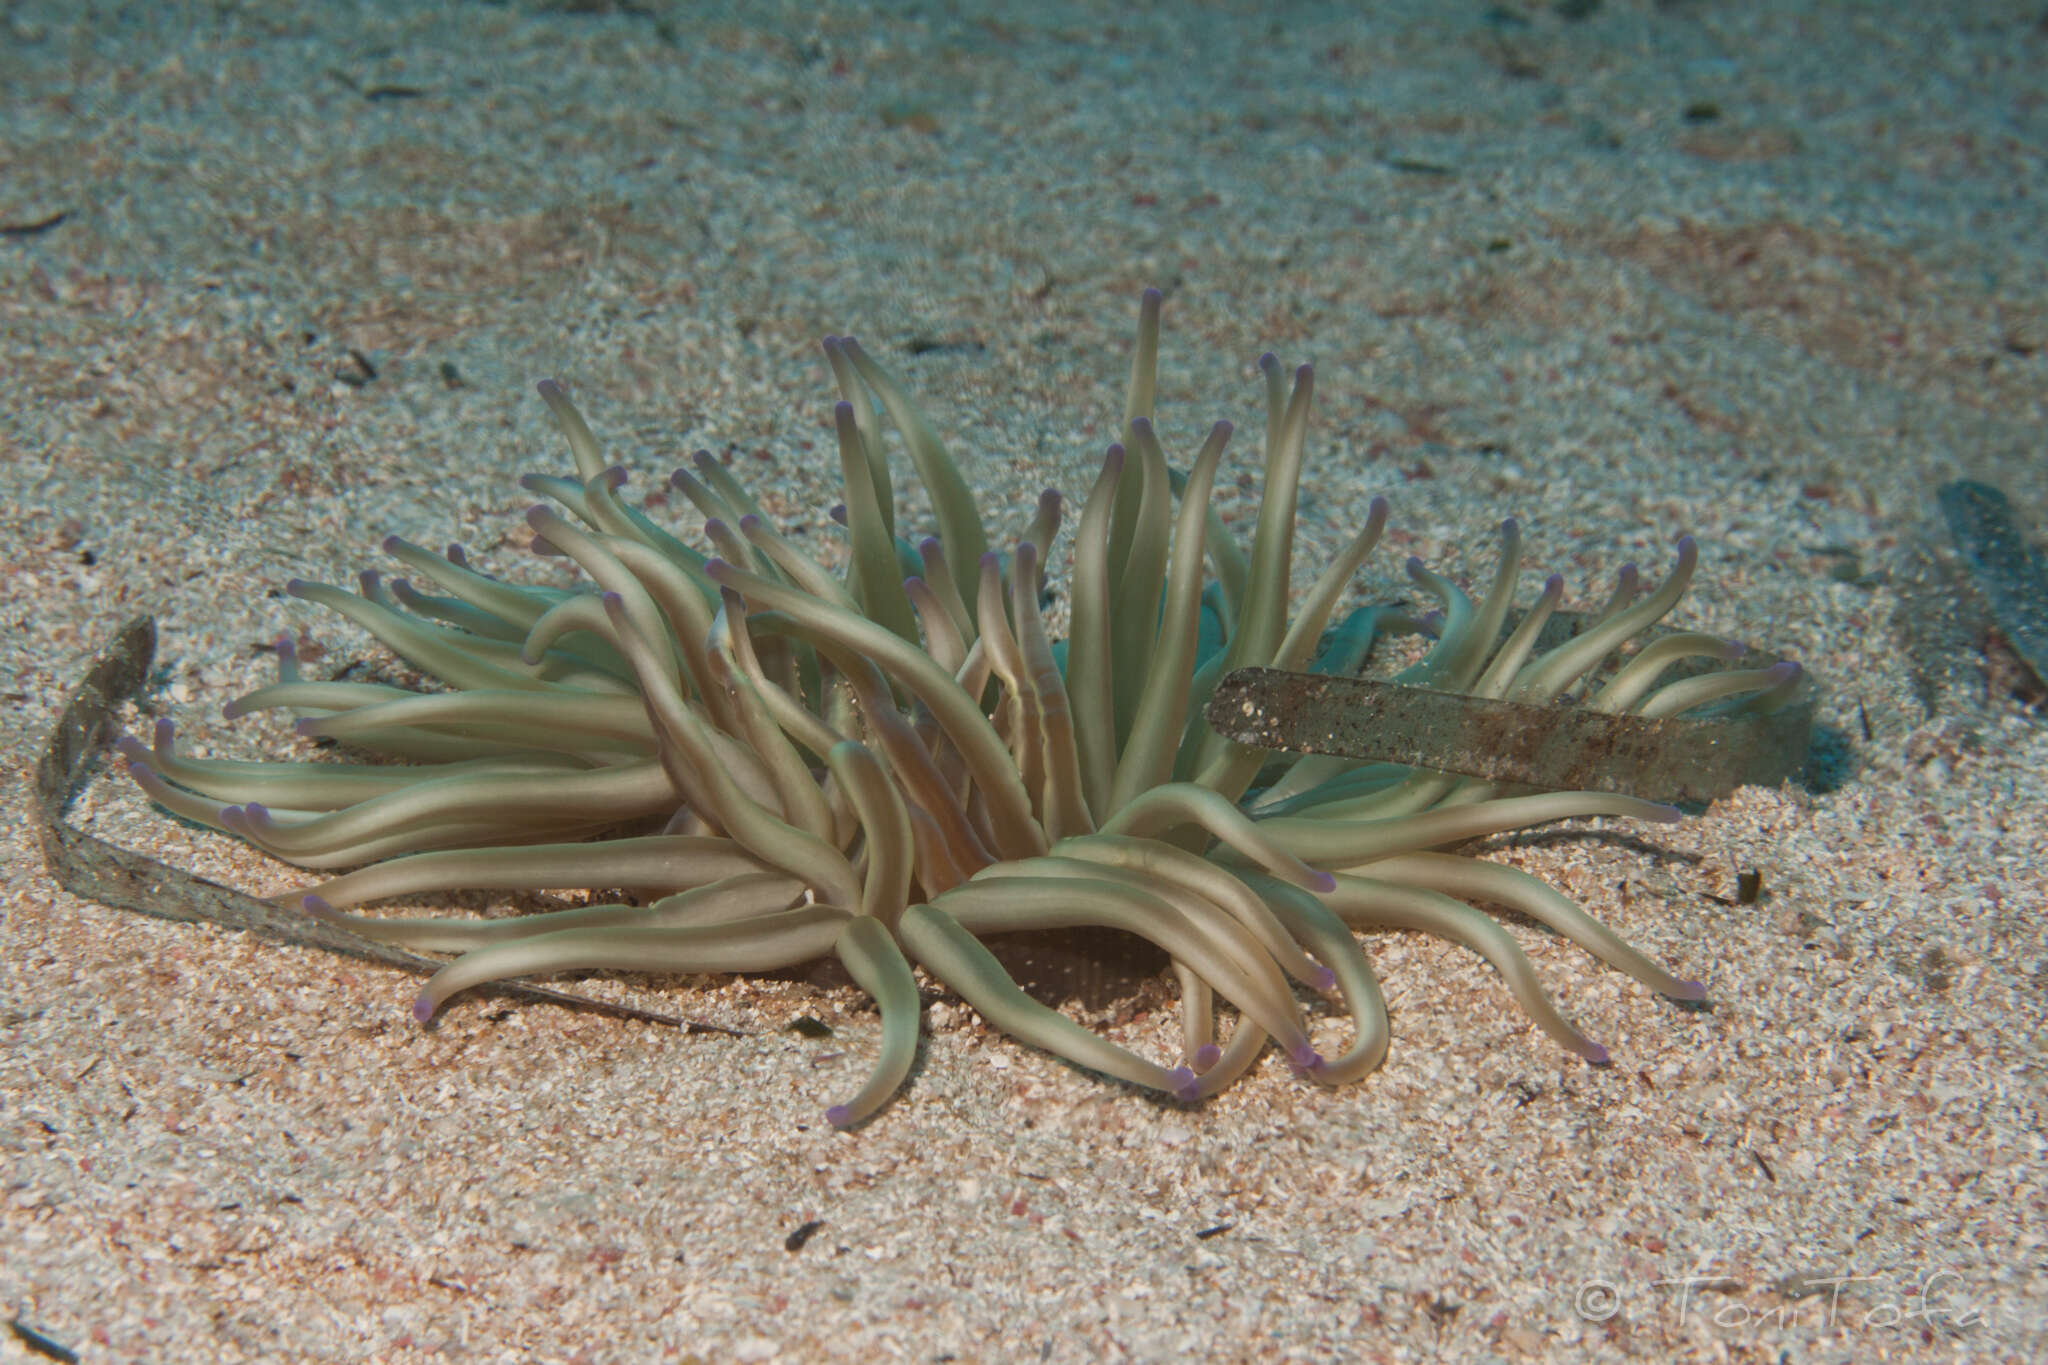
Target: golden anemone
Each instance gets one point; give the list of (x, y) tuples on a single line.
[(894, 762)]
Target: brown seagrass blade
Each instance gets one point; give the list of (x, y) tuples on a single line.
[(1564, 748), (93, 869)]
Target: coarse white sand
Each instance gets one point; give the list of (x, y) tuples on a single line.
[(1768, 272)]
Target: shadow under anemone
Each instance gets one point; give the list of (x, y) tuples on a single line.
[(890, 764)]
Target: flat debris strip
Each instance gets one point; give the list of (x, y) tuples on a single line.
[(1562, 748)]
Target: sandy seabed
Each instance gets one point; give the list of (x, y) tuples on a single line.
[(275, 281)]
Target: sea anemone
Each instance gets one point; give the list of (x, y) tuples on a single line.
[(773, 762)]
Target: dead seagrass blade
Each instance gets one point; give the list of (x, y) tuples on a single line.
[(1561, 748), (93, 869), (2003, 568)]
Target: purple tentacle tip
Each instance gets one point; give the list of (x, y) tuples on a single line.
[(1185, 1085), (1324, 978), (1553, 586), (296, 587), (1596, 1055), (1690, 990), (1304, 1056), (313, 905), (839, 1116), (1207, 1055), (1510, 527), (422, 1009), (1152, 295), (390, 544), (1415, 564), (1321, 882), (537, 515), (1664, 814)]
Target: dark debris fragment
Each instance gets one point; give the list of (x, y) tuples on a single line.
[(34, 227), (42, 1345)]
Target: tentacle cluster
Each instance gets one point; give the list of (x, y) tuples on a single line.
[(895, 762)]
